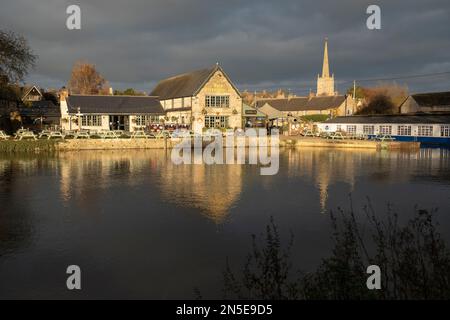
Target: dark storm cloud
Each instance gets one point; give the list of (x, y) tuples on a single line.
[(261, 44)]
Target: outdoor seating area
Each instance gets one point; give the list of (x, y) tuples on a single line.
[(342, 135), (3, 136)]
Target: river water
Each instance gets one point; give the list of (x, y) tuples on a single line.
[(141, 227)]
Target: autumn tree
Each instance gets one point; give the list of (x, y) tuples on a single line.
[(85, 79), (16, 57), (396, 93), (379, 104)]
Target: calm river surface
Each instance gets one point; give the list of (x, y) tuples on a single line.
[(142, 227)]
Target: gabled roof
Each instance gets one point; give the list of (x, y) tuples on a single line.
[(271, 112), (303, 103), (434, 99), (325, 102), (187, 84), (33, 88), (406, 119), (119, 105)]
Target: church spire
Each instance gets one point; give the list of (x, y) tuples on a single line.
[(325, 83), (326, 66)]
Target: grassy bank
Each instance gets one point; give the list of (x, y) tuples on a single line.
[(27, 146)]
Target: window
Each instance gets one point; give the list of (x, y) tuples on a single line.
[(351, 129), (369, 129), (338, 127), (91, 121), (216, 122), (445, 131), (425, 131), (217, 101), (404, 130), (386, 130), (145, 120)]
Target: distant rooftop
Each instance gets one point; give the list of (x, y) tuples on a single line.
[(303, 103), (432, 99), (405, 118)]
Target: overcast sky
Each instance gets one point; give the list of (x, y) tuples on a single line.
[(260, 44)]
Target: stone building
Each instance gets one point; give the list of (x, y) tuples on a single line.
[(201, 99), (331, 106)]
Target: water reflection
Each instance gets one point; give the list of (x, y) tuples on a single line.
[(325, 167), (129, 216), (85, 176)]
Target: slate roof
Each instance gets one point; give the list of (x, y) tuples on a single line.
[(323, 103), (406, 118), (434, 99), (303, 103), (185, 85), (115, 105), (42, 108)]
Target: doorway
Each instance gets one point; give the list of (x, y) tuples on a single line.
[(118, 123)]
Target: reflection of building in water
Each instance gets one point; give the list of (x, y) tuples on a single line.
[(211, 189), (82, 173), (326, 167)]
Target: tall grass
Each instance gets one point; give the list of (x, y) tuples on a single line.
[(414, 260)]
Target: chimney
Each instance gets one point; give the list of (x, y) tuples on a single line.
[(63, 94)]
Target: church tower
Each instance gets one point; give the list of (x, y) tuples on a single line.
[(325, 83)]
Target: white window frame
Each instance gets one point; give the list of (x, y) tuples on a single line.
[(425, 131), (213, 101), (351, 129), (91, 121), (369, 129), (404, 130), (386, 130)]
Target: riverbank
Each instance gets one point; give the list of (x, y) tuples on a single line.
[(308, 142), (13, 146)]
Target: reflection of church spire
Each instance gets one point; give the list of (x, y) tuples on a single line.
[(323, 182), (326, 66)]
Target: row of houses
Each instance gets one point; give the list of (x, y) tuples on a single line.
[(208, 98), (201, 99)]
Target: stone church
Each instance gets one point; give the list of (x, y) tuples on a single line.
[(325, 83), (326, 100)]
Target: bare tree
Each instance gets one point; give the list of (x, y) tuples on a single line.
[(16, 57)]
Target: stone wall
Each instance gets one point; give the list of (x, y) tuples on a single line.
[(114, 144)]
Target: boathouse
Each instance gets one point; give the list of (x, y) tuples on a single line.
[(424, 128)]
